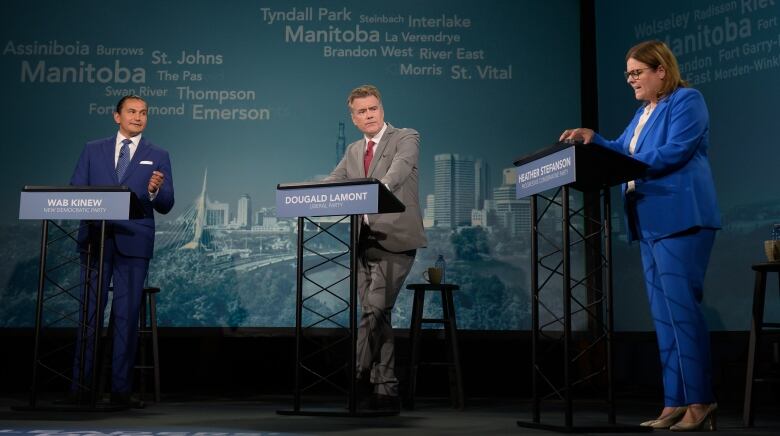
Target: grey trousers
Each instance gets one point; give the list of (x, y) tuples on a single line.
[(380, 277)]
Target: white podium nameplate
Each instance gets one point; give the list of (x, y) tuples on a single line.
[(74, 205)]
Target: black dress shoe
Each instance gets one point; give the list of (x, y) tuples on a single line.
[(364, 390), (385, 403), (69, 400), (125, 400)]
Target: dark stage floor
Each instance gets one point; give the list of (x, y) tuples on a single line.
[(257, 416)]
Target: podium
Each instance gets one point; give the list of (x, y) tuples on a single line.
[(349, 200), (52, 205), (591, 170)]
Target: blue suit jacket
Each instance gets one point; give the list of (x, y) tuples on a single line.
[(678, 192), (134, 238)]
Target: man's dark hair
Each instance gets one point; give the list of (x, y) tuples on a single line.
[(125, 98)]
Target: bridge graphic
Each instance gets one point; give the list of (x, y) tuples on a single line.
[(241, 250)]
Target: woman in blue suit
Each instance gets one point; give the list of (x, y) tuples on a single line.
[(673, 213)]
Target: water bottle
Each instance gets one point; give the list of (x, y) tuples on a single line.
[(442, 265), (776, 232)]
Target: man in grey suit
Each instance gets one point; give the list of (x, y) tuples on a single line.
[(388, 242)]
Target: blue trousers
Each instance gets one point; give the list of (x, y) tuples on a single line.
[(674, 270), (128, 275)]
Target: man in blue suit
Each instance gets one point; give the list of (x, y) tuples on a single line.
[(128, 159)]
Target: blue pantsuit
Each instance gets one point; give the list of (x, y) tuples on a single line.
[(673, 213), (674, 270)]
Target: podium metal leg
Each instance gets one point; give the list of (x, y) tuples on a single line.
[(536, 417), (39, 311), (82, 337), (354, 229), (298, 316), (83, 328), (608, 283), (565, 247), (350, 386), (564, 391), (98, 314)]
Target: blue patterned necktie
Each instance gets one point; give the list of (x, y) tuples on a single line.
[(124, 159)]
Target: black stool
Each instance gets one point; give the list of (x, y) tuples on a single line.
[(757, 326), (450, 335), (144, 331)]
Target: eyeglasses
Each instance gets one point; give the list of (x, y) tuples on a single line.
[(363, 112), (635, 73)]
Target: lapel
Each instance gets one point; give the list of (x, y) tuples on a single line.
[(661, 107), (357, 154), (140, 152), (380, 148), (108, 149)]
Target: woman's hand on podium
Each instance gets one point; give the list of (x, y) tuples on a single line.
[(578, 134)]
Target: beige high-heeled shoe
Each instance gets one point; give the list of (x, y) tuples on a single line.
[(706, 423), (667, 420)]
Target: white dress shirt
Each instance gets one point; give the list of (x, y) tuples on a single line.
[(118, 147), (637, 132), (376, 139), (133, 146)]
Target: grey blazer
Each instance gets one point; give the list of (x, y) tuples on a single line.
[(395, 165)]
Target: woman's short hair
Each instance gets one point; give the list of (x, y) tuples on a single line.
[(655, 53)]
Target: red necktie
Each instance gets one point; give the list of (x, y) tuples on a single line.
[(368, 156)]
